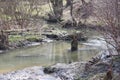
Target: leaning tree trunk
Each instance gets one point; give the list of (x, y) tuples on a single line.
[(57, 8)]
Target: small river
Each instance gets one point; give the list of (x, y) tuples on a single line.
[(45, 54)]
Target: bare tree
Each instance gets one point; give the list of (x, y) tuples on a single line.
[(82, 11), (108, 13), (57, 6), (19, 13)]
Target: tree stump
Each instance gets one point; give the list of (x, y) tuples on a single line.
[(74, 43)]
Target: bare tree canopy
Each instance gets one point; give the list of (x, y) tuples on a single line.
[(108, 12)]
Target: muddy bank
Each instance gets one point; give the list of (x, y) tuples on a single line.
[(61, 71), (49, 36), (64, 35), (26, 43), (79, 70)]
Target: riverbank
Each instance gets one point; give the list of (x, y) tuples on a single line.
[(26, 44), (46, 54), (48, 35), (98, 66), (61, 71)]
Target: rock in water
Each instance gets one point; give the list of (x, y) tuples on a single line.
[(48, 70)]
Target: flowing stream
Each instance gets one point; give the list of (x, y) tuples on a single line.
[(45, 54)]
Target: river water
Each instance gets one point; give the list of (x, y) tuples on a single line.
[(44, 55)]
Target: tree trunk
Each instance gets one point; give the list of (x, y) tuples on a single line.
[(83, 1), (117, 7), (57, 8), (68, 3), (74, 22), (3, 41)]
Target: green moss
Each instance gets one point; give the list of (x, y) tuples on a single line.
[(15, 38), (31, 39)]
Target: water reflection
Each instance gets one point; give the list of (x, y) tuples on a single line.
[(61, 52), (44, 55)]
